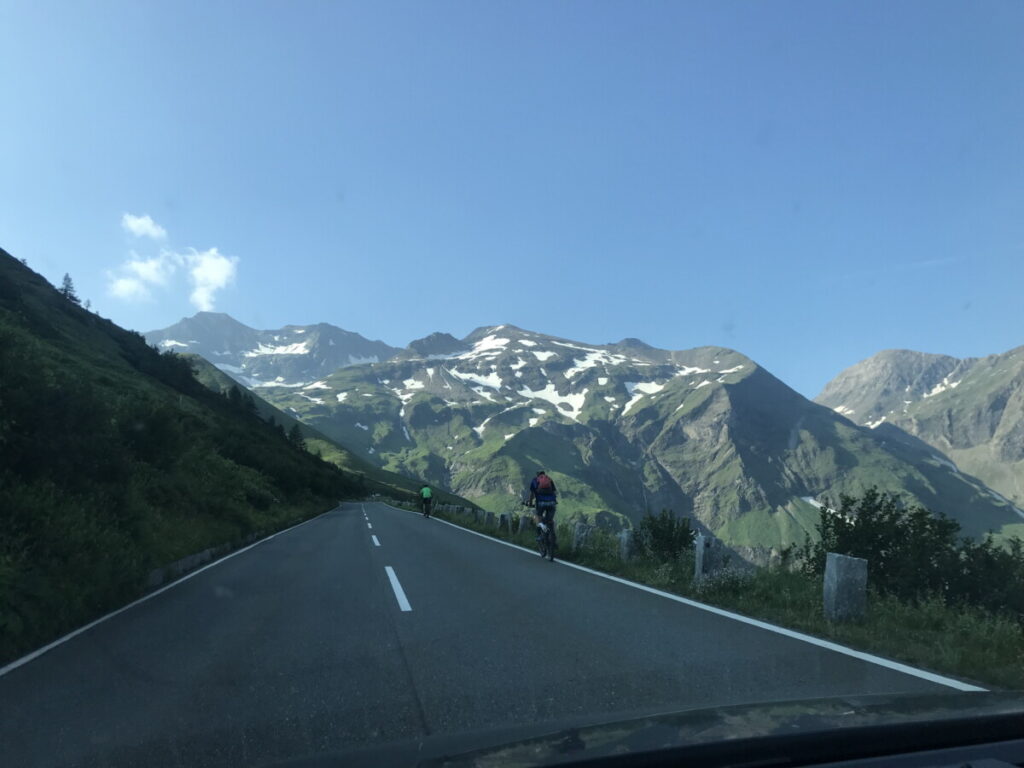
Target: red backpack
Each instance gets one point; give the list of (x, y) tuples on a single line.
[(544, 484)]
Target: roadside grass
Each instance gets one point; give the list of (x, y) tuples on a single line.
[(962, 641)]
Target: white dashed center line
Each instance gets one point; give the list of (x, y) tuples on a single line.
[(376, 541), (403, 601)]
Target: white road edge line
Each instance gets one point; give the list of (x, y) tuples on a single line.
[(60, 640), (376, 541), (826, 644), (403, 601)]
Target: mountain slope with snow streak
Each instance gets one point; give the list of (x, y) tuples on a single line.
[(292, 356), (624, 428)]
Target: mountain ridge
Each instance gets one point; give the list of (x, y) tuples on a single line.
[(626, 428), (971, 409)]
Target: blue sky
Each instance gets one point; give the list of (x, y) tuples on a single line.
[(807, 183)]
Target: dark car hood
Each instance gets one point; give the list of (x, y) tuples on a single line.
[(680, 729)]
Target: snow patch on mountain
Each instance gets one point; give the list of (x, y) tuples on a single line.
[(487, 346), (492, 380), (528, 343), (298, 348), (172, 343), (342, 396), (732, 370), (592, 360), (644, 388), (550, 393), (484, 394), (545, 356), (842, 410), (689, 370), (317, 385), (942, 387), (363, 427)]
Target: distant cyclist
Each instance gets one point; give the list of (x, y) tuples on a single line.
[(427, 498), (545, 495)]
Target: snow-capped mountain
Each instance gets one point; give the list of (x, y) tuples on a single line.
[(625, 428), (972, 410), (288, 357)]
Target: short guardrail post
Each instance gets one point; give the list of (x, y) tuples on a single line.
[(579, 536), (625, 544), (708, 556), (845, 587)]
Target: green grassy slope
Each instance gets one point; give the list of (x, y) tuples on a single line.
[(115, 460), (374, 479)]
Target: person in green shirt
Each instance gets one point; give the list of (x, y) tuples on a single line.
[(427, 497)]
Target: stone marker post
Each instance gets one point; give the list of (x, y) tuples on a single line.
[(700, 546), (625, 544), (708, 556), (845, 587), (579, 536)]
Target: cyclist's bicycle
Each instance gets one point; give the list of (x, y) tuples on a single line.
[(546, 540)]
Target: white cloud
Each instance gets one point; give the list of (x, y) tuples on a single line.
[(156, 270), (209, 271), (142, 226), (128, 288)]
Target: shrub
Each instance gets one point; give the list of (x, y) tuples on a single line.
[(914, 555), (664, 537)]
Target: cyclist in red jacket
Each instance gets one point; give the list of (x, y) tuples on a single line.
[(544, 493)]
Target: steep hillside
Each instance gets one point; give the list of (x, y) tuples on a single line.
[(114, 460), (625, 428), (290, 356), (971, 410)]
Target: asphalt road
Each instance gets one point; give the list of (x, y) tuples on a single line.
[(301, 646)]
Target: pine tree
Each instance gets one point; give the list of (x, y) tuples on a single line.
[(67, 289), (295, 437)]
